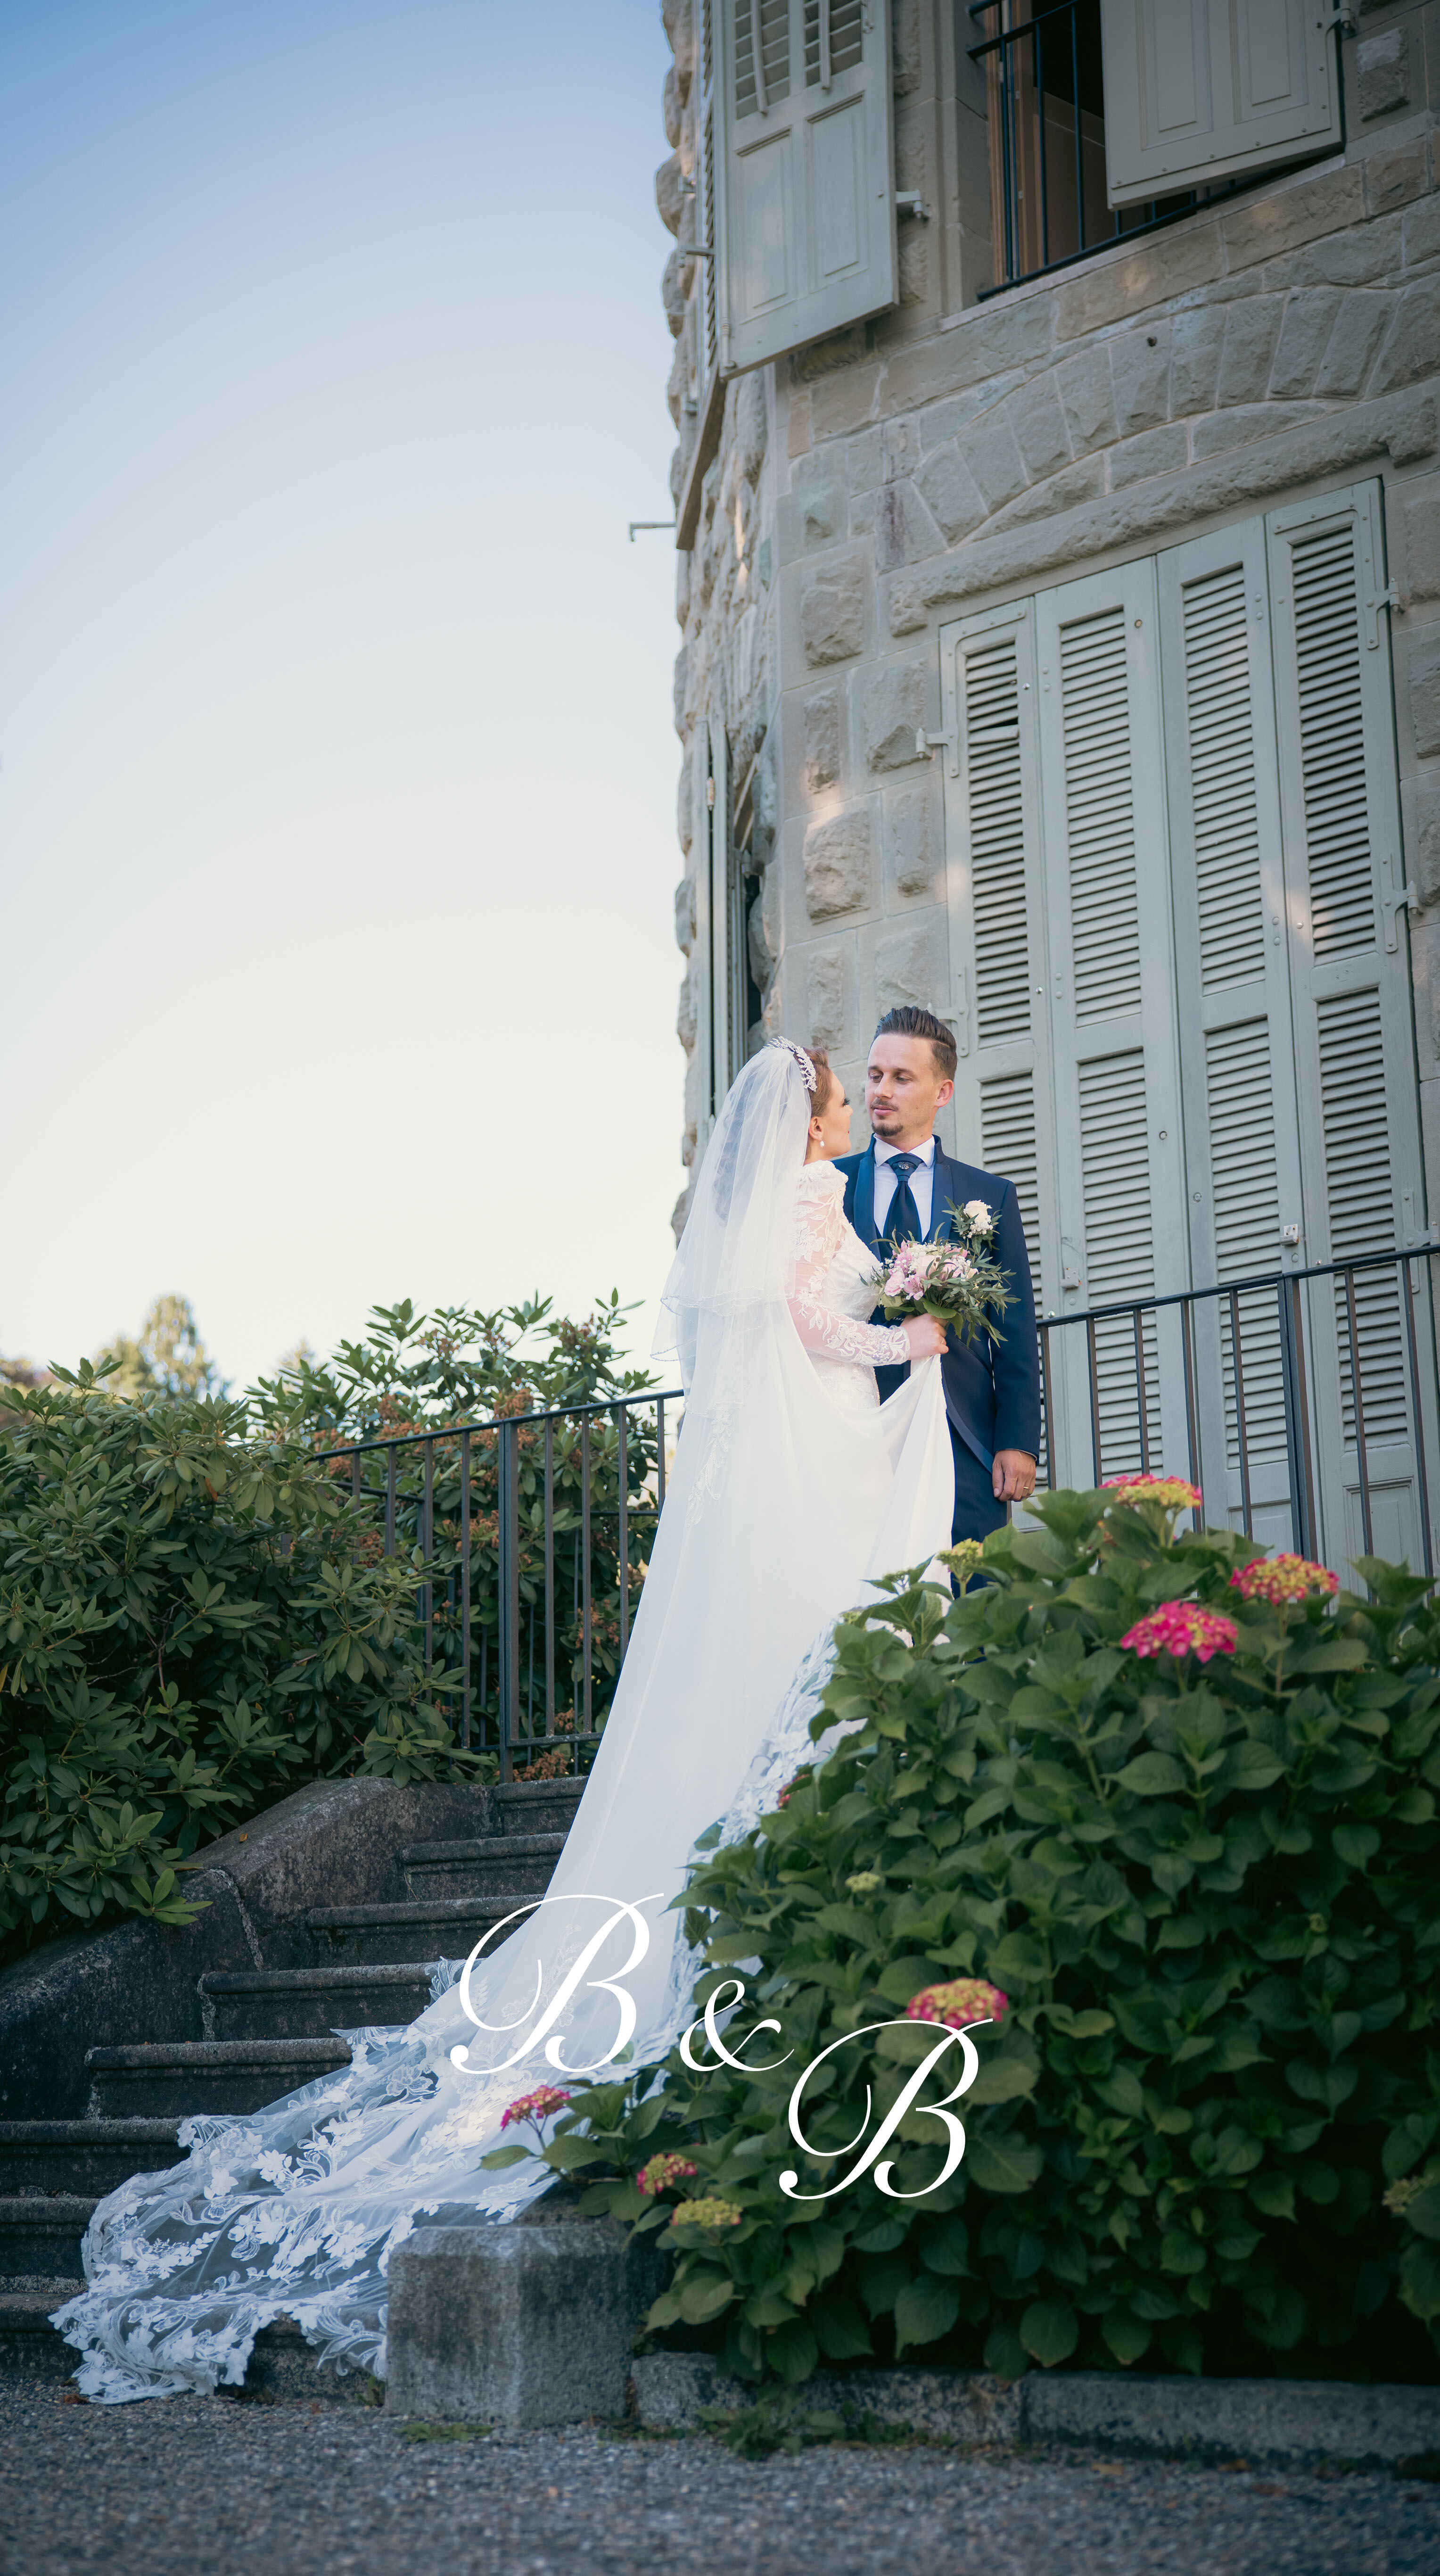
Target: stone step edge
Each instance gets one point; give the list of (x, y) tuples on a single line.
[(425, 1909), (145, 2056), (129, 2132), (52, 2209), (1290, 2422), (344, 1978), (486, 1847)]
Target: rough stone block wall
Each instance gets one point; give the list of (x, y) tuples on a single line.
[(956, 453)]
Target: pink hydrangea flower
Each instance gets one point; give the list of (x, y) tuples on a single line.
[(663, 2172), (1172, 1493), (1183, 1628), (1282, 1579), (962, 2001), (536, 2106)]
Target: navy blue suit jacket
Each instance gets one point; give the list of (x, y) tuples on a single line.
[(992, 1389)]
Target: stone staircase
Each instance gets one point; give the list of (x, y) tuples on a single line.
[(267, 2031)]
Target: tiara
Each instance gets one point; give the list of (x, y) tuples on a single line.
[(807, 1069)]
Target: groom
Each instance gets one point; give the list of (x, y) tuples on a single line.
[(903, 1188)]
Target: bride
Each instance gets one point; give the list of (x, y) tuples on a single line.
[(792, 1486)]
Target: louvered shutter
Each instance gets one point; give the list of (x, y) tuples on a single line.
[(1236, 1047), (1118, 1161), (995, 892), (1196, 89), (807, 160), (1350, 988), (703, 224)]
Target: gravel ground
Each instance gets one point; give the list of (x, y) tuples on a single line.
[(193, 2487)]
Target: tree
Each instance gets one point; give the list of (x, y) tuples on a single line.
[(169, 1360)]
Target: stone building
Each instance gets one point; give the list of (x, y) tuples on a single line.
[(1058, 514)]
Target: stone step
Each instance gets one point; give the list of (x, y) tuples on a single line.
[(30, 2348), (40, 2235), (90, 2157), (536, 1806), (498, 1865), (433, 1927), (309, 2003), (281, 2365), (180, 2076)]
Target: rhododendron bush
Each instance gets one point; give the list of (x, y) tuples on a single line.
[(1173, 1870)]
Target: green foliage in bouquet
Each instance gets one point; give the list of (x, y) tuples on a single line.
[(1203, 2133), (192, 1623)]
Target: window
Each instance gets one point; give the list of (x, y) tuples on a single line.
[(1109, 117)]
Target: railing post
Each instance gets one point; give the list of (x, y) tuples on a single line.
[(508, 1462), (623, 1470), (427, 1544), (1358, 1392), (465, 1589), (1297, 1445)]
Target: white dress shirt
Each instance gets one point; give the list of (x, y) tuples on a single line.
[(922, 1182)]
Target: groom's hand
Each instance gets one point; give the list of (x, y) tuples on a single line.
[(1014, 1477)]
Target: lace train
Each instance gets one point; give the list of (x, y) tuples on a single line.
[(296, 2210)]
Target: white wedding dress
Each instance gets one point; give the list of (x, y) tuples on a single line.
[(792, 1485)]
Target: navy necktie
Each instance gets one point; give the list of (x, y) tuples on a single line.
[(902, 1225)]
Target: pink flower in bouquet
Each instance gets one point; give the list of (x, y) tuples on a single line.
[(963, 2000), (536, 2106), (1283, 1579), (1183, 1628)]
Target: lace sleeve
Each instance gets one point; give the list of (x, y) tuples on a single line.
[(818, 1234)]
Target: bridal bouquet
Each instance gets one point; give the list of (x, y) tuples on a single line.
[(959, 1283)]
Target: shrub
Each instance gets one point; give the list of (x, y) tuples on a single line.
[(1208, 1892), (197, 1615), (191, 1624)]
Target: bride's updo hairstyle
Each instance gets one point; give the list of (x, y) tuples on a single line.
[(824, 1081)]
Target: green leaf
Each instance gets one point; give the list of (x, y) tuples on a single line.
[(1127, 2336), (1049, 2331), (925, 2310), (1002, 2164), (1336, 1655), (1152, 1775), (704, 2298), (1273, 2193), (1356, 1844), (1423, 2212)]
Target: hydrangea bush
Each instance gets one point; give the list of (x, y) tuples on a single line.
[(1153, 1821)]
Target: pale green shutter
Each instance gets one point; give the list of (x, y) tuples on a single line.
[(995, 889), (1236, 1045), (1196, 89), (1118, 1164), (703, 225), (1350, 983), (807, 160)]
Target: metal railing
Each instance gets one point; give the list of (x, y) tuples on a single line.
[(1303, 1403), (530, 1531), (1306, 1411)]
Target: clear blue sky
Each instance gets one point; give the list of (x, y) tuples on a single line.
[(337, 772)]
